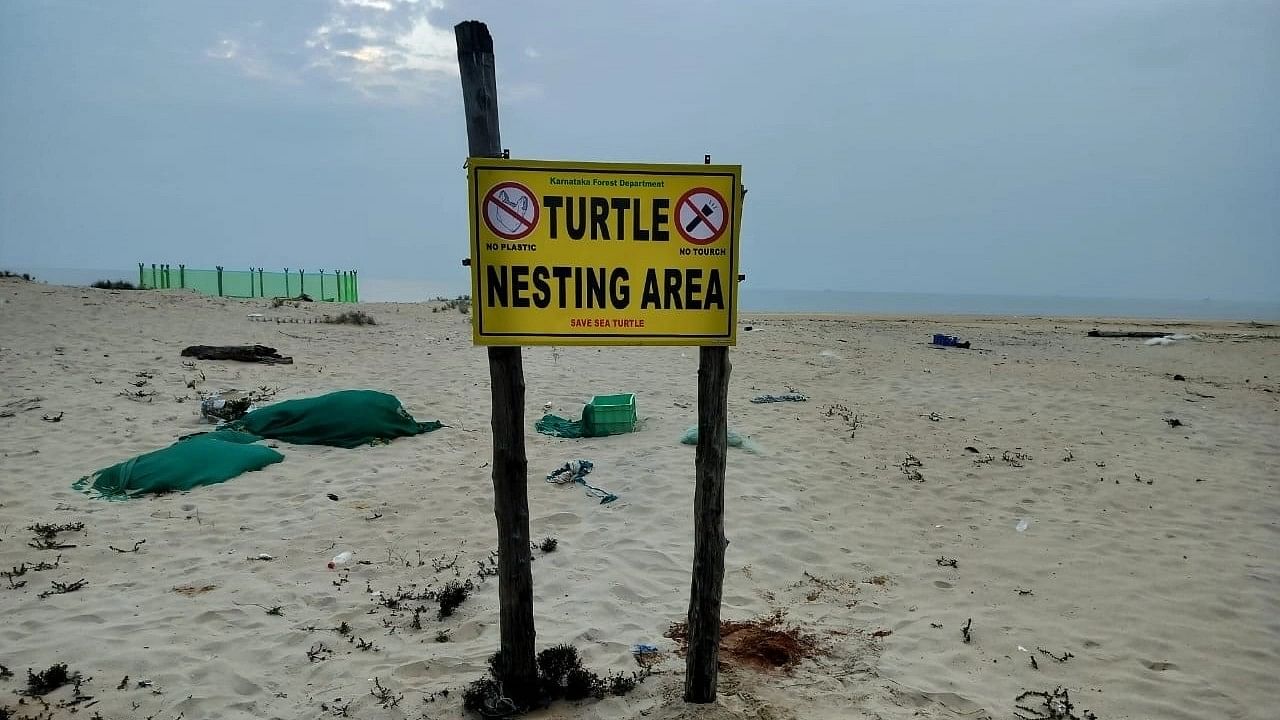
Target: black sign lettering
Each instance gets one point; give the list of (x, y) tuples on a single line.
[(715, 293), (562, 273), (661, 219), (692, 288), (542, 291), (619, 291), (522, 286), (596, 211), (497, 285), (519, 285), (599, 218), (575, 231), (595, 288), (671, 295), (553, 203), (638, 231), (620, 208), (650, 298)]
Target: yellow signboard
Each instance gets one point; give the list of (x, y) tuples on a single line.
[(566, 253)]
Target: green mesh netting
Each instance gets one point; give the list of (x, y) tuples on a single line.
[(239, 283), (335, 286), (272, 285), (347, 419), (199, 460)]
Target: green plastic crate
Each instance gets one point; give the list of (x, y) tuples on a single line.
[(609, 415)]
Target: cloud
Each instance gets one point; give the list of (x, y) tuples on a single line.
[(383, 5), (517, 93), (249, 57), (385, 50), (401, 59), (224, 49)]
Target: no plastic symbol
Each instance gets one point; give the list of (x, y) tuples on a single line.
[(511, 210), (700, 216)]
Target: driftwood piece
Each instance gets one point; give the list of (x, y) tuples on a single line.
[(1127, 333), (243, 353)]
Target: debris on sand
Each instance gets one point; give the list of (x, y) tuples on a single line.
[(1054, 705), (763, 643), (908, 467), (1126, 333), (243, 353)]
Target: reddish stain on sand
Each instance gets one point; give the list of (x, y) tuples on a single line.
[(763, 643)]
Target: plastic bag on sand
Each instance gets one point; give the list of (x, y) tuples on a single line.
[(690, 437), (1171, 339), (225, 407)]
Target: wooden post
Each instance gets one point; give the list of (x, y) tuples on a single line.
[(506, 374), (703, 659)]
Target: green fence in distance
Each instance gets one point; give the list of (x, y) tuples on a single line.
[(333, 286)]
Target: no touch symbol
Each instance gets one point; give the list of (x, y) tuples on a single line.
[(511, 210), (701, 216)]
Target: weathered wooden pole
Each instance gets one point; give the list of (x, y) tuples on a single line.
[(506, 374), (703, 660)]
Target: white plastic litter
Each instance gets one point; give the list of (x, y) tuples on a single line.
[(1022, 525), (1171, 339)]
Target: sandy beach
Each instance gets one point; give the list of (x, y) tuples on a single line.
[(879, 516)]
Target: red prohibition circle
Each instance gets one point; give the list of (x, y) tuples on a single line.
[(724, 211), (526, 225)]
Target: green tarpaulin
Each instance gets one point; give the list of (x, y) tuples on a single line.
[(346, 419), (199, 460), (556, 426)]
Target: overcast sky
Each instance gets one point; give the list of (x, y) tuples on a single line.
[(1100, 148)]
